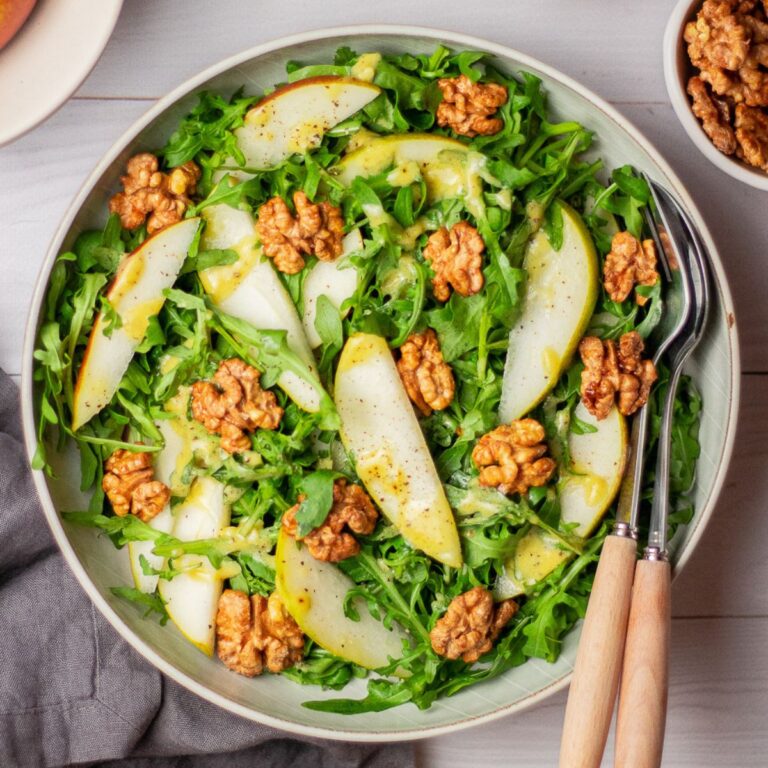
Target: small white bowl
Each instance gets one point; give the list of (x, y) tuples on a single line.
[(677, 70)]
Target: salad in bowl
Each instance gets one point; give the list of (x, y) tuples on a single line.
[(350, 370)]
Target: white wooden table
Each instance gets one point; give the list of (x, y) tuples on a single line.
[(718, 711)]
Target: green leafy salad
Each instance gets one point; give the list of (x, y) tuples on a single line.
[(350, 369)]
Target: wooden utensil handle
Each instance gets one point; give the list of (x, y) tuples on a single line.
[(598, 662), (643, 698)]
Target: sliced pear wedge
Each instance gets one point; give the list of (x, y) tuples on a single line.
[(138, 549), (136, 294), (169, 464), (250, 290), (537, 554), (380, 429), (191, 598), (295, 117), (448, 167), (314, 591), (598, 460), (560, 295), (586, 489), (335, 279)]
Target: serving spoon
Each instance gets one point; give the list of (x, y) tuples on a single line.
[(596, 674)]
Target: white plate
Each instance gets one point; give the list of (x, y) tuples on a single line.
[(42, 66), (272, 699)]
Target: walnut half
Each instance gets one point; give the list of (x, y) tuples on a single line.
[(511, 457), (352, 508), (254, 632), (471, 625), (147, 191), (467, 107), (456, 258), (610, 373), (129, 485), (317, 228), (752, 136), (234, 404), (427, 378), (629, 263)]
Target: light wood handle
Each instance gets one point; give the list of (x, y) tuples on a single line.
[(598, 662), (643, 699)]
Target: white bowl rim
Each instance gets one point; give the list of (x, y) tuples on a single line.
[(682, 106), (27, 404)]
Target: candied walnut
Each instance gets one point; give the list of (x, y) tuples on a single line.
[(456, 257), (470, 625), (317, 228), (234, 404), (428, 379), (718, 37), (148, 191), (467, 107), (254, 632), (129, 485), (752, 136), (714, 114), (610, 371), (276, 634), (234, 633), (511, 457), (728, 43), (628, 264), (352, 508)]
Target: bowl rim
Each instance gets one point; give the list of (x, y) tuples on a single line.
[(673, 79), (187, 87)]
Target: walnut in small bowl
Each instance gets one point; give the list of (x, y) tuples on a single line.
[(728, 45), (716, 67)]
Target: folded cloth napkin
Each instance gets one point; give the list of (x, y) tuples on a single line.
[(72, 691)]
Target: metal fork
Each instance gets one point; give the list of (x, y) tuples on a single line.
[(597, 670), (644, 681)]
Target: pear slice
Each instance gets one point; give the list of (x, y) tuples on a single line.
[(313, 592), (163, 522), (560, 296), (191, 598), (251, 290), (136, 294), (295, 117), (169, 464), (537, 554), (448, 167), (379, 427), (586, 489), (335, 279), (598, 461)]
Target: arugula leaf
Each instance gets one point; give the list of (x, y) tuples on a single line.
[(330, 330), (208, 127), (153, 603), (213, 257), (317, 487)]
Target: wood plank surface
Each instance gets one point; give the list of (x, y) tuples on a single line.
[(619, 50)]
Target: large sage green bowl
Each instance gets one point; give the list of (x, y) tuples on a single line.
[(274, 700)]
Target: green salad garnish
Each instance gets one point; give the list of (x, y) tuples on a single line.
[(369, 371)]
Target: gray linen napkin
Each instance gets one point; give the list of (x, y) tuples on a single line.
[(72, 691)]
